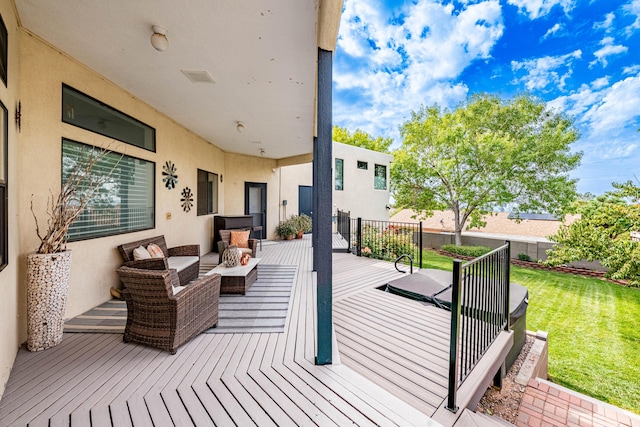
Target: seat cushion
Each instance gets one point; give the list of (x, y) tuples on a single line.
[(179, 263), (240, 239), (246, 250)]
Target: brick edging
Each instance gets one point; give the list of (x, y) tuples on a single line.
[(538, 266)]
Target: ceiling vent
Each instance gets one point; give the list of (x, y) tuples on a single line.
[(198, 76)]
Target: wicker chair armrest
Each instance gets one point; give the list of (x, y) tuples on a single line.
[(222, 246), (186, 250), (205, 288), (253, 243), (149, 264)]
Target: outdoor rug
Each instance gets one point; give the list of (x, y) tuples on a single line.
[(263, 309)]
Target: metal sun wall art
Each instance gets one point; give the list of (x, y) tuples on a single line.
[(169, 172), (187, 199)]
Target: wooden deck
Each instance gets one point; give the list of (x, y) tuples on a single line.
[(392, 353)]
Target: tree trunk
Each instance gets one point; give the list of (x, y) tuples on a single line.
[(458, 227)]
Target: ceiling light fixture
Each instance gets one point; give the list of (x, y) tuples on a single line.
[(159, 39), (239, 126)]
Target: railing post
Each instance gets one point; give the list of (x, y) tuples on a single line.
[(507, 280), (348, 219), (359, 237), (455, 332), (420, 243)]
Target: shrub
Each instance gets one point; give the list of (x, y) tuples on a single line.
[(387, 243), (524, 257), (472, 251)]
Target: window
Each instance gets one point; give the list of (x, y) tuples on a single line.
[(4, 44), (207, 192), (363, 165), (87, 113), (125, 202), (339, 171), (4, 198), (380, 177)]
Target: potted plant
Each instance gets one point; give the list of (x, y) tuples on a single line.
[(286, 229), (305, 223), (49, 268)]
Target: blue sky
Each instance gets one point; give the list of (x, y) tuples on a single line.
[(582, 57)]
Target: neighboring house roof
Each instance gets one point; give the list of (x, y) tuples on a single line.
[(497, 223), (533, 216)]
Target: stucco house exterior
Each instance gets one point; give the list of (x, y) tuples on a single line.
[(235, 91), (360, 184)]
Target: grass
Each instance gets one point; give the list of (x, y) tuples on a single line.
[(594, 330)]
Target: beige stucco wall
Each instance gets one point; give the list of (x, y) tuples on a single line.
[(9, 285), (359, 197)]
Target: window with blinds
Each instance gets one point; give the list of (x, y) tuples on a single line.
[(125, 201)]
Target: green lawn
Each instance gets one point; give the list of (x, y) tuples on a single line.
[(594, 331)]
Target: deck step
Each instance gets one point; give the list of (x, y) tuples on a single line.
[(469, 418)]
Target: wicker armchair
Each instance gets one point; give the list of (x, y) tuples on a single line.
[(225, 238), (158, 318), (186, 274)]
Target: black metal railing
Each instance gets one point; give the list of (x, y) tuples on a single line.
[(479, 312), (344, 226), (386, 239)]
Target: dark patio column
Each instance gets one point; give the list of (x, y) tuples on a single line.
[(322, 211)]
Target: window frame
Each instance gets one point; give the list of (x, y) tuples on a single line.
[(361, 163), (110, 110), (376, 177), (215, 208), (116, 231), (4, 187), (335, 177)]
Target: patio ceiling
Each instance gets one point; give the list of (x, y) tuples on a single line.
[(261, 54)]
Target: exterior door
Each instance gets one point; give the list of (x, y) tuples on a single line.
[(255, 204), (305, 200)]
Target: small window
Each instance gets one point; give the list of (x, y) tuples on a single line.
[(339, 178), (363, 165), (125, 202), (207, 192), (87, 113), (380, 177), (4, 198)]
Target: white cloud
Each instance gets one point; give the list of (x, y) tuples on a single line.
[(633, 8), (396, 64), (539, 8), (604, 110), (600, 83), (632, 69), (552, 31), (608, 49), (542, 72), (607, 24)]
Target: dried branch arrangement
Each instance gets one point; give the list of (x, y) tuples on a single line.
[(75, 194)]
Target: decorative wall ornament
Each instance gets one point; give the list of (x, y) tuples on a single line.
[(170, 176), (187, 199)]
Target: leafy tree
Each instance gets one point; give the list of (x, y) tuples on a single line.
[(485, 154), (603, 234), (361, 139)]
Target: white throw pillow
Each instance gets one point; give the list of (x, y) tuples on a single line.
[(141, 253)]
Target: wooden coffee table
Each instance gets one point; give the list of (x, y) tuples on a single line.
[(236, 280)]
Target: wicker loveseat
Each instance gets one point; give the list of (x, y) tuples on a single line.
[(158, 316), (184, 259), (225, 238)]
